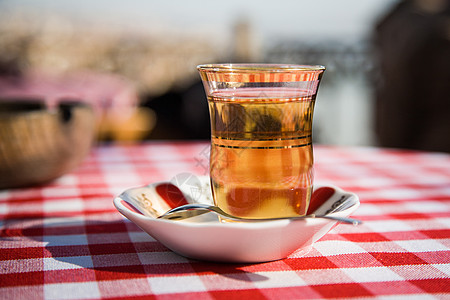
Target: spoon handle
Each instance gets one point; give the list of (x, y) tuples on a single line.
[(311, 216), (341, 219)]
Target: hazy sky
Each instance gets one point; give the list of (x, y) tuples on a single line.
[(324, 19)]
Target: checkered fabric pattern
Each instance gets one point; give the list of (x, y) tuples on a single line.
[(65, 240)]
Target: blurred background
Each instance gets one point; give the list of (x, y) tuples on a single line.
[(135, 60)]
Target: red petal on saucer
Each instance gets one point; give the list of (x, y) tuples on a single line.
[(319, 197), (171, 194)]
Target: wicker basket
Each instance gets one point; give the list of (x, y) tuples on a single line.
[(38, 144)]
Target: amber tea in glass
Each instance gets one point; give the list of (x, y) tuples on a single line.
[(261, 163)]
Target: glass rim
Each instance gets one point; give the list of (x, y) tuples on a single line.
[(258, 67)]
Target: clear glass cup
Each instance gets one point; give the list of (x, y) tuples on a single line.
[(261, 163)]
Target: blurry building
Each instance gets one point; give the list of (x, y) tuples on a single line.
[(413, 91)]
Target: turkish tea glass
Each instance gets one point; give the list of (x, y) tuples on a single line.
[(261, 159)]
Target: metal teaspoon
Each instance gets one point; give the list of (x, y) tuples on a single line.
[(195, 209)]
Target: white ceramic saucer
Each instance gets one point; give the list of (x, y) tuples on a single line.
[(204, 237)]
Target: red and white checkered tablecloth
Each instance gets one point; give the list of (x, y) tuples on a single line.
[(65, 240)]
